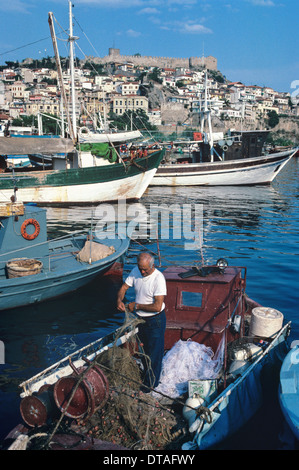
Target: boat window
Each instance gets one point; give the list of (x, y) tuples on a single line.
[(191, 299)]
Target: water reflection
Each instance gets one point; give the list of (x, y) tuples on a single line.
[(256, 227)]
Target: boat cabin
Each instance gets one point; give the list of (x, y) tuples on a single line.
[(202, 303), (23, 234)]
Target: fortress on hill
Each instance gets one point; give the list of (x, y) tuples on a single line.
[(162, 62)]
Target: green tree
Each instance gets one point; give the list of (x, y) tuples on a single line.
[(138, 118), (155, 75), (50, 126), (273, 119)]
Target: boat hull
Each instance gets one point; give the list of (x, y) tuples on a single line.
[(289, 391), (84, 185), (242, 399), (249, 171), (18, 160), (62, 276)]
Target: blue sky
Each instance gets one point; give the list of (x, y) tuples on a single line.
[(255, 41)]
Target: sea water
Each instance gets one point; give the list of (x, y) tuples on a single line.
[(256, 227)]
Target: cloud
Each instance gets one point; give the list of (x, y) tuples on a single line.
[(187, 27), (16, 6), (113, 3), (194, 28), (181, 2), (132, 33), (148, 11), (262, 3)]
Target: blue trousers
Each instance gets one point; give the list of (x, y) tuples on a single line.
[(151, 334)]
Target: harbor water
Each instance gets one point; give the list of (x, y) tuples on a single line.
[(255, 227)]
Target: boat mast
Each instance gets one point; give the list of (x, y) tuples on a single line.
[(59, 72), (72, 38), (205, 115)]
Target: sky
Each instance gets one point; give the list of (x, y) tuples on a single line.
[(255, 41)]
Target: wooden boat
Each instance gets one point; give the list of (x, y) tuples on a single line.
[(41, 161), (34, 269), (205, 307), (235, 159), (246, 171), (289, 390), (73, 181)]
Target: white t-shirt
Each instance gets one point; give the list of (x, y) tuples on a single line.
[(146, 288)]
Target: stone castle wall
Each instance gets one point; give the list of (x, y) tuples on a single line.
[(163, 62)]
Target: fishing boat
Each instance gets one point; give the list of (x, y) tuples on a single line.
[(218, 346), (41, 161), (79, 175), (289, 390), (16, 161), (71, 183), (237, 158), (34, 269)]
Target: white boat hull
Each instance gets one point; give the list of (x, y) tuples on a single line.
[(93, 184), (249, 171), (130, 188), (18, 160)]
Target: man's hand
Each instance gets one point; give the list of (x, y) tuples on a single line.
[(120, 297), (131, 306), (120, 306)]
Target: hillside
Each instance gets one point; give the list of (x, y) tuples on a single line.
[(173, 115)]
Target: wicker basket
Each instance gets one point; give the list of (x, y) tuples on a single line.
[(23, 267)]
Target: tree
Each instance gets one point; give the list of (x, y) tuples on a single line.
[(49, 125), (139, 120), (273, 119), (155, 75)]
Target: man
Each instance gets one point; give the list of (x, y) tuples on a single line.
[(150, 291)]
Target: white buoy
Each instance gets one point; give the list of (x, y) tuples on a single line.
[(192, 404)]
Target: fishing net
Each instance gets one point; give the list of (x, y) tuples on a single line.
[(131, 417), (188, 360)]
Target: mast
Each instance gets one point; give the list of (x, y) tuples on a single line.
[(205, 115), (72, 38), (60, 77)]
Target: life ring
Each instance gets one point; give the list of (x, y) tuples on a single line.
[(84, 131), (24, 227)]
